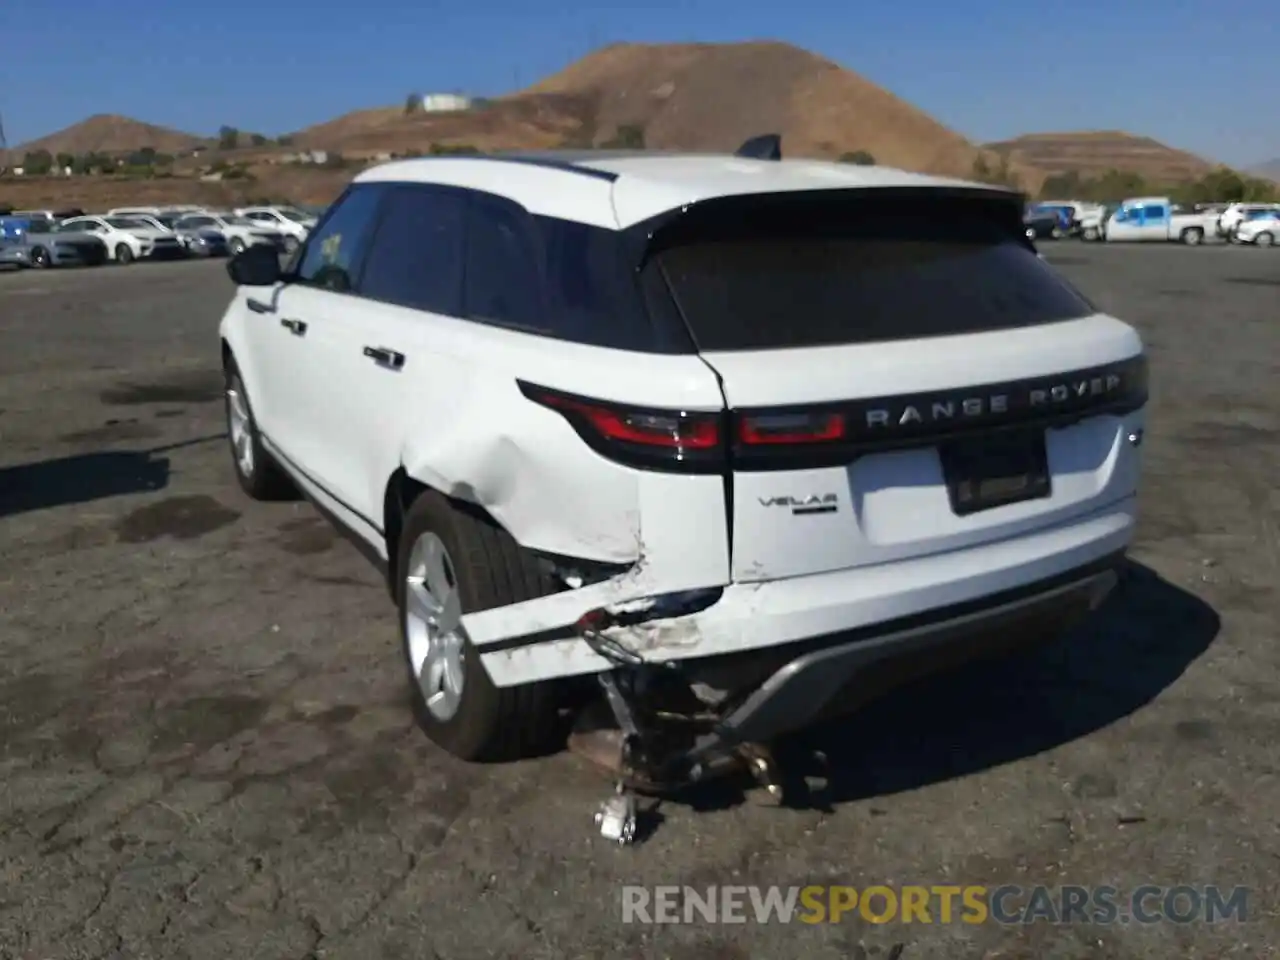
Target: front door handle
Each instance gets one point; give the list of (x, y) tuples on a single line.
[(296, 327), (257, 306), (385, 357)]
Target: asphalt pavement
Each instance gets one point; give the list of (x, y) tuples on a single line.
[(206, 751)]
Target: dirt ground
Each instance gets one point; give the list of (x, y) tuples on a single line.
[(206, 752)]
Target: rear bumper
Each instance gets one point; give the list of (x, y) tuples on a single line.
[(762, 619), (845, 673)]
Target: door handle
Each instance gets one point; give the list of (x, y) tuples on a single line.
[(385, 357), (296, 327), (257, 306)]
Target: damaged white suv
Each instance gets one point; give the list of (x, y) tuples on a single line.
[(730, 436)]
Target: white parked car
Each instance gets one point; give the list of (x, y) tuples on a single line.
[(1259, 231), (238, 232), (1237, 213), (289, 221), (127, 238), (719, 435)]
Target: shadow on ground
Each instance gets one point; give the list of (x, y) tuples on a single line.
[(992, 712), (83, 478)]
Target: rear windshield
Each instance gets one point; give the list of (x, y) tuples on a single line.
[(859, 273)]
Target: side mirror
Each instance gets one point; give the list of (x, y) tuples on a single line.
[(255, 266)]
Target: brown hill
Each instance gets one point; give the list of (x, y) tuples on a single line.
[(1093, 153), (109, 133), (683, 96), (1270, 170)]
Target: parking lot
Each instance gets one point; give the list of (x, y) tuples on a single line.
[(207, 751)]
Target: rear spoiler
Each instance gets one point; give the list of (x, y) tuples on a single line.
[(752, 210), (767, 146)]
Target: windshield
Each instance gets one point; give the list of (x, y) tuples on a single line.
[(127, 223), (236, 221), (291, 213), (63, 228)]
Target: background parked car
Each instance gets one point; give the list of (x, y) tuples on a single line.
[(1042, 224), (1262, 230), (42, 244), (238, 232), (1159, 219), (127, 239), (292, 223), (1238, 213)]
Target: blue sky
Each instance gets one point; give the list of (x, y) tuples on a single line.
[(1196, 74)]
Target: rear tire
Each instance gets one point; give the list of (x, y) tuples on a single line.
[(236, 245), (258, 474), (40, 258), (1264, 239), (487, 569), (1192, 236)]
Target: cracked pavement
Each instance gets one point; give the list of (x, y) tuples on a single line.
[(206, 750)]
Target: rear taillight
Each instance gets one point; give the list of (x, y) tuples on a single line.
[(652, 439), (790, 428)]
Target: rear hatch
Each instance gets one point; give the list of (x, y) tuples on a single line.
[(904, 375)]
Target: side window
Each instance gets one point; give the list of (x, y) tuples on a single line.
[(593, 296), (503, 284), (1154, 212), (332, 254), (415, 259)]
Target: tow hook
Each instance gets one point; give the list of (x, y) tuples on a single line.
[(646, 758)]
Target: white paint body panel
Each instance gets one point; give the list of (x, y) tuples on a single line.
[(454, 419)]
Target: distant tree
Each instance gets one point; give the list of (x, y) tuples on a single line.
[(627, 137), (1000, 175), (66, 160), (285, 141), (163, 159), (861, 157), (413, 103), (257, 139), (37, 163), (228, 138)]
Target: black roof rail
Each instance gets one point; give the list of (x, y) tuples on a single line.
[(767, 146)]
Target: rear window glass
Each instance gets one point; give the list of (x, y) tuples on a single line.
[(818, 276)]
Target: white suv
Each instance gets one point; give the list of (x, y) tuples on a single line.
[(722, 435), (292, 224)]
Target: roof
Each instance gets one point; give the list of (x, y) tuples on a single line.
[(618, 188)]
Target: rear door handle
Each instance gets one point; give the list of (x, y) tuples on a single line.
[(296, 327), (385, 357), (257, 306)]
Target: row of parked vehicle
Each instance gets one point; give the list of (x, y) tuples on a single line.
[(47, 238), (1155, 218)]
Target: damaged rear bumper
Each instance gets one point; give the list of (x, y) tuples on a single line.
[(838, 676), (763, 622)]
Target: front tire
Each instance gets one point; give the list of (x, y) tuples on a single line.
[(258, 474), (124, 254), (40, 258), (236, 245), (1264, 239), (451, 562)]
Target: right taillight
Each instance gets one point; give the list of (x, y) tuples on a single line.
[(654, 439)]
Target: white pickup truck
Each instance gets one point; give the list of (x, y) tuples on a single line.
[(1158, 218)]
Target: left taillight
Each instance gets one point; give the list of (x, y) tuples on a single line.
[(678, 441)]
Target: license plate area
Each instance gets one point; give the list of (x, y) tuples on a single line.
[(986, 472)]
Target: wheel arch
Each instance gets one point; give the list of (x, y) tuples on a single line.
[(398, 496)]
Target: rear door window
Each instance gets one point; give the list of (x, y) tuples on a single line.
[(810, 272), (503, 284)]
